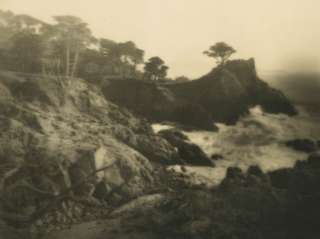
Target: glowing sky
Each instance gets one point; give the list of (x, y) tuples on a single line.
[(280, 34)]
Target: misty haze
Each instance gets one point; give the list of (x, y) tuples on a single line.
[(159, 119)]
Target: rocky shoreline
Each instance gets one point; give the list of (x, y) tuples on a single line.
[(71, 160), (252, 204)]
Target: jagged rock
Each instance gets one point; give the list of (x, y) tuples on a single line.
[(255, 174), (130, 173), (173, 135), (280, 178), (234, 173), (55, 135), (272, 100), (305, 145), (191, 153), (157, 149), (256, 171), (314, 159), (223, 95), (216, 157), (152, 146)]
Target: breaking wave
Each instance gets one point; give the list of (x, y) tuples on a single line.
[(257, 139)]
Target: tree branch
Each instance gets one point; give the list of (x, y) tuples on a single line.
[(55, 199), (60, 197)]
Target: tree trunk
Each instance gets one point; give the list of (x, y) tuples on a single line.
[(59, 71), (67, 60), (75, 63)]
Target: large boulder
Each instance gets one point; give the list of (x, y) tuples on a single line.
[(158, 149), (304, 145), (280, 178), (127, 173), (191, 153), (154, 147)]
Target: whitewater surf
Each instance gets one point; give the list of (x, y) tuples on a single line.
[(257, 139)]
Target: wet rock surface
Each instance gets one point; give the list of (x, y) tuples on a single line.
[(190, 153), (217, 157), (304, 145)]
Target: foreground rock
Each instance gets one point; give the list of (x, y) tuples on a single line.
[(191, 153), (245, 205), (113, 226), (223, 95), (9, 232), (304, 145)]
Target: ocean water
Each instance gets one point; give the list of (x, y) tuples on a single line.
[(257, 139)]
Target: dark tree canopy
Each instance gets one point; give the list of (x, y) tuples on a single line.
[(26, 51), (65, 48), (155, 69), (123, 57), (182, 79), (221, 51), (75, 36)]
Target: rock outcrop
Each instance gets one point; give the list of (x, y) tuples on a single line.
[(156, 102), (190, 153), (68, 155), (223, 95), (304, 145), (58, 135), (248, 204)]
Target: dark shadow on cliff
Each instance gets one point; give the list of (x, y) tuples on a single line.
[(223, 95)]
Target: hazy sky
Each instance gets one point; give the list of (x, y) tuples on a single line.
[(279, 34)]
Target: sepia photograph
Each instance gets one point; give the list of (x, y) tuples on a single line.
[(159, 119)]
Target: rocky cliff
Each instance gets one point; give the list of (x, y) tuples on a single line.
[(156, 102), (63, 146), (223, 95), (74, 165)]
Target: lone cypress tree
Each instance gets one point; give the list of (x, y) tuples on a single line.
[(221, 51)]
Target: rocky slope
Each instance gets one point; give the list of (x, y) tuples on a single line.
[(223, 95), (67, 154), (74, 165)]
